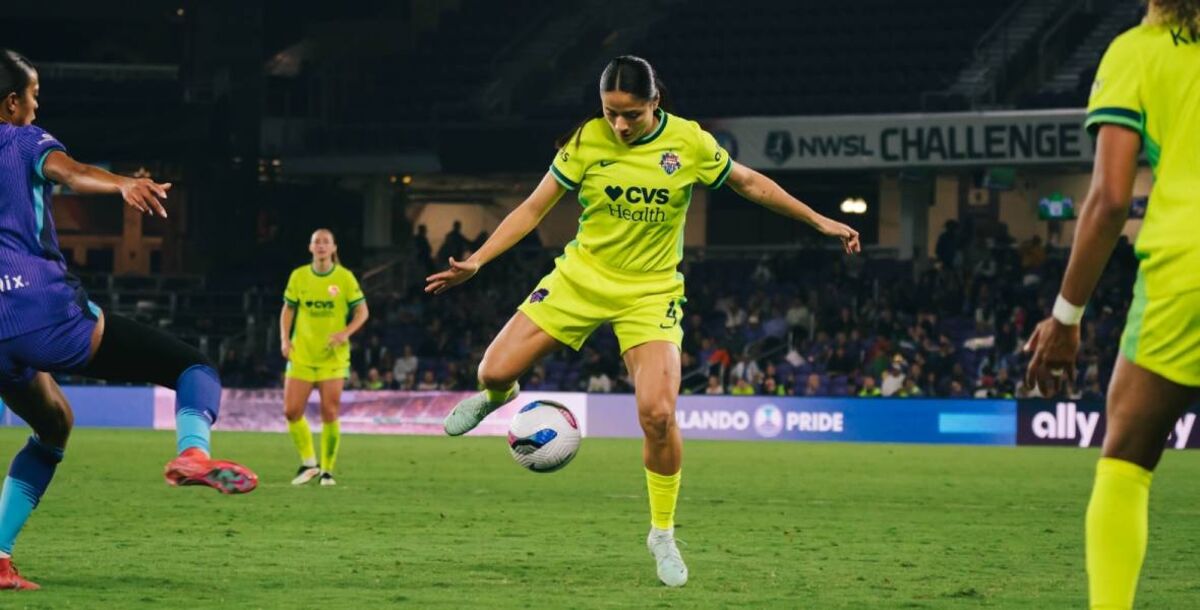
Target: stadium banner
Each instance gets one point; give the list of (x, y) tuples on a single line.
[(364, 412), (102, 407), (882, 420), (1081, 423), (906, 140)]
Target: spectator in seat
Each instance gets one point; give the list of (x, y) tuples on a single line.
[(406, 364), (910, 389), (374, 380), (745, 368), (742, 388), (812, 387), (428, 382), (714, 386), (599, 382), (772, 388), (894, 376), (798, 316), (869, 389)]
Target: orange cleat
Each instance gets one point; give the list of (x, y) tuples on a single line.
[(193, 467), (10, 579)]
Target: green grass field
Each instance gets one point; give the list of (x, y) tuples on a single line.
[(433, 522)]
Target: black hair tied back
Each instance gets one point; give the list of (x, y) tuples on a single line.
[(15, 72), (631, 74)]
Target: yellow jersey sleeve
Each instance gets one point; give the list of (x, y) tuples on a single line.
[(353, 292), (1117, 93), (570, 163), (291, 294), (712, 162)]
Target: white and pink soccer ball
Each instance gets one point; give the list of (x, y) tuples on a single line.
[(543, 436)]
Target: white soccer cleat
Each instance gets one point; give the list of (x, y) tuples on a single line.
[(327, 479), (468, 413), (305, 474), (671, 569)]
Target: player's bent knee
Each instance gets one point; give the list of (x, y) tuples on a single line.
[(657, 421), (495, 377), (329, 411), (57, 425)]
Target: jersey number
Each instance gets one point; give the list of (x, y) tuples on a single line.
[(672, 316)]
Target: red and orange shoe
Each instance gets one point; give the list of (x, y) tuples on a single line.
[(193, 467), (10, 579)]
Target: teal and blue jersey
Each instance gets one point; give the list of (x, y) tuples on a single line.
[(36, 291)]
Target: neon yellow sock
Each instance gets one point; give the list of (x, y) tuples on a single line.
[(331, 437), (1117, 526), (500, 396), (302, 438), (664, 491)]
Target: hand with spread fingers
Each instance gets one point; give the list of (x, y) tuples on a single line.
[(145, 195), (459, 272)]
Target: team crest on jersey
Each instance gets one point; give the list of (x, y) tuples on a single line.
[(669, 162), (333, 290)]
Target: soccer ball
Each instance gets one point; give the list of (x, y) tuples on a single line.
[(543, 436)]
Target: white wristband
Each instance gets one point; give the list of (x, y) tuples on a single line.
[(1065, 312)]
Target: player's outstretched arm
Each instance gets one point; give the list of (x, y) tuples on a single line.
[(140, 193), (767, 193), (1054, 343), (512, 229)]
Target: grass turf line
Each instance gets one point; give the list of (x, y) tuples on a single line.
[(436, 522)]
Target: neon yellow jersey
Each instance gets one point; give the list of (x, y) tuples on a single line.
[(635, 196), (1147, 82), (323, 303)]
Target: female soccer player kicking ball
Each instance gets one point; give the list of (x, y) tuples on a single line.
[(315, 339), (47, 323), (634, 170), (1144, 99)]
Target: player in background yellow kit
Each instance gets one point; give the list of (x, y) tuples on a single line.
[(1146, 97), (634, 168), (322, 306)]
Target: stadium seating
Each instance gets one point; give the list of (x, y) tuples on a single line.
[(739, 306), (766, 58)]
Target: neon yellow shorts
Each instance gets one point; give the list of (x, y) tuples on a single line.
[(1162, 335), (313, 374), (582, 293)]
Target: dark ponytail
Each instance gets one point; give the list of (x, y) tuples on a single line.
[(15, 72), (628, 73)]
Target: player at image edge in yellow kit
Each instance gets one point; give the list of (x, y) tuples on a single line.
[(1144, 98)]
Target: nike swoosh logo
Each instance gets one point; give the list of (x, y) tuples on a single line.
[(606, 163)]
